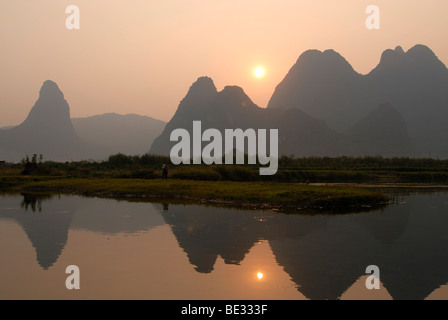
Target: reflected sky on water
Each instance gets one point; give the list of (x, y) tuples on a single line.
[(141, 250)]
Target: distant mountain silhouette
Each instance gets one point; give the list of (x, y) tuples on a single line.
[(415, 82), (299, 133), (303, 135), (383, 131), (128, 134), (321, 84), (232, 108), (228, 108), (47, 130), (323, 107)]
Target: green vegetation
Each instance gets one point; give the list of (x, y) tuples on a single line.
[(377, 170), (268, 195), (241, 185)]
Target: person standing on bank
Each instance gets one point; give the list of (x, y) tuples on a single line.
[(165, 169)]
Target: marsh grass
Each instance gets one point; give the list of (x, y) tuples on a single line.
[(246, 194), (299, 182)]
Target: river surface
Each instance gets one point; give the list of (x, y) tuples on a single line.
[(163, 251)]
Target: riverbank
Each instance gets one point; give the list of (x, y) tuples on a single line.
[(256, 195)]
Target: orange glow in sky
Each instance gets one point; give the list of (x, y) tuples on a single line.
[(141, 56)]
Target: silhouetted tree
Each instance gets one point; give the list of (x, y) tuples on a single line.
[(33, 165)]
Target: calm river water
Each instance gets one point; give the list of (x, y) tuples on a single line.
[(142, 250)]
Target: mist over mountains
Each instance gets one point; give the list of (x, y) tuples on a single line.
[(415, 83), (322, 107), (383, 131), (49, 130), (232, 108), (128, 134)]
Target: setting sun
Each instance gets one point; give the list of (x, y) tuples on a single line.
[(259, 72), (260, 275)]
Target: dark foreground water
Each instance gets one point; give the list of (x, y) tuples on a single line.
[(136, 250)]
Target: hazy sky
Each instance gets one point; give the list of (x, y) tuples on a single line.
[(141, 56)]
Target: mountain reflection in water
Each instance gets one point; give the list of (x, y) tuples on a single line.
[(323, 254)]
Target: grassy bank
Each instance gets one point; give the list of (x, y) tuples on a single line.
[(366, 170), (299, 182), (268, 195)]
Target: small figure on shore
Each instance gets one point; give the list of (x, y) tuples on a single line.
[(165, 169)]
